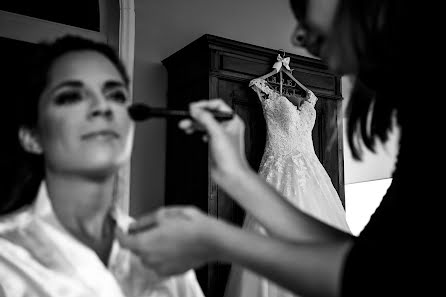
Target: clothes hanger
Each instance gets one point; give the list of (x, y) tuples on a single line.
[(282, 65)]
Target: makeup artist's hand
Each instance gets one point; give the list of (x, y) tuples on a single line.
[(226, 139), (171, 240)]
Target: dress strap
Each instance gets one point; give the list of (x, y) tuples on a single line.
[(311, 97), (262, 85)]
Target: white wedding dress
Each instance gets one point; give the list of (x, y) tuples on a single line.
[(290, 164)]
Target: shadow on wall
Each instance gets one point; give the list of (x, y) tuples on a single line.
[(148, 159)]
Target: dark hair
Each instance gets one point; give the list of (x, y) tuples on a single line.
[(29, 168), (373, 32)]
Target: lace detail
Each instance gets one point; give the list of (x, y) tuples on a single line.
[(312, 99), (262, 85), (289, 161), (288, 128), (267, 91), (291, 166)]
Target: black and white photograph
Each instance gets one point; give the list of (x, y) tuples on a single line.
[(209, 148)]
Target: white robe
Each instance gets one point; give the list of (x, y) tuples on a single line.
[(38, 257)]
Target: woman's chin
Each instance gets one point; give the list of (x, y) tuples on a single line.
[(101, 172), (106, 158), (102, 167)]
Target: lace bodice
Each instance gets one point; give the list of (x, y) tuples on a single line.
[(288, 128)]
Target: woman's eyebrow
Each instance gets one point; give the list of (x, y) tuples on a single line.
[(68, 83), (113, 84)]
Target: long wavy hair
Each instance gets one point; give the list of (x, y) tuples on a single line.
[(27, 170)]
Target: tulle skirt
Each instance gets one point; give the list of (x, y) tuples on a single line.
[(302, 179)]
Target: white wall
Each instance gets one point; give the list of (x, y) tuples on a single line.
[(361, 201), (366, 181)]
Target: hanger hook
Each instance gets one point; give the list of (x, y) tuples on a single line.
[(283, 56)]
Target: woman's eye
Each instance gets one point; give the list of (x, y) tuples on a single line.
[(118, 96), (68, 97)]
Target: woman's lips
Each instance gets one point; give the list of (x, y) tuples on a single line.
[(105, 134)]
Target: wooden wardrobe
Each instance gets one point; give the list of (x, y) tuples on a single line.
[(212, 67)]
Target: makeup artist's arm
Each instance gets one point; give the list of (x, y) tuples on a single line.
[(231, 171), (183, 238)]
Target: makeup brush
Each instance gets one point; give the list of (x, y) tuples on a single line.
[(141, 112)]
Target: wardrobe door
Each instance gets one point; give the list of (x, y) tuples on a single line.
[(327, 140), (244, 101)]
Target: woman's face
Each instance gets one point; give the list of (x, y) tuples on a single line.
[(83, 126), (316, 32)]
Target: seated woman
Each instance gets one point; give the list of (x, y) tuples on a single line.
[(77, 133)]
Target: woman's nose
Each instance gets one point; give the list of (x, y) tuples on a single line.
[(100, 107)]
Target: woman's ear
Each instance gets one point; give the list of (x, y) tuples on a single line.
[(29, 141)]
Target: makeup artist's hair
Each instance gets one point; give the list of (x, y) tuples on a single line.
[(376, 34), (27, 170)]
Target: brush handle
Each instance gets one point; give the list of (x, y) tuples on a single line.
[(141, 112)]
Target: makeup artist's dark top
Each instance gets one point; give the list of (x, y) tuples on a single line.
[(397, 252)]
